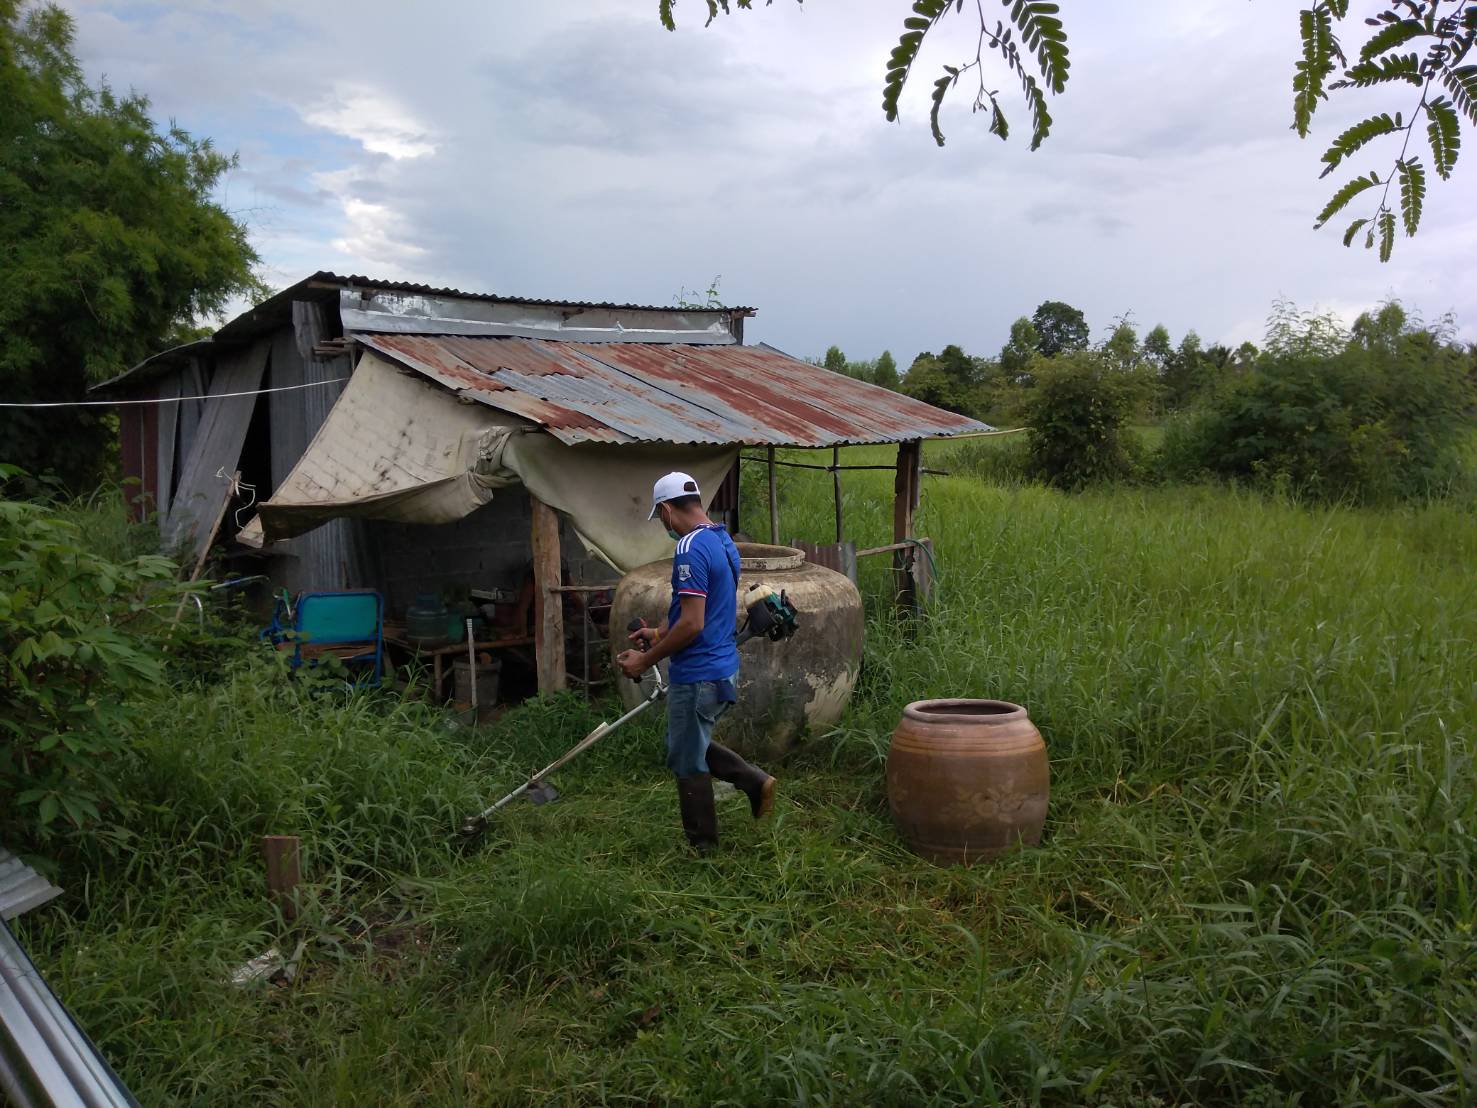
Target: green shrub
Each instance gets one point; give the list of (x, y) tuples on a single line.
[(1076, 412), (1377, 421), (1002, 460), (80, 636)]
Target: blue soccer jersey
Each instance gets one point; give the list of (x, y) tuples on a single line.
[(706, 563)]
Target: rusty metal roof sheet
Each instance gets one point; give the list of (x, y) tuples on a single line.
[(669, 392)]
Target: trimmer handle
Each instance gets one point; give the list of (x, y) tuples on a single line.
[(652, 679)]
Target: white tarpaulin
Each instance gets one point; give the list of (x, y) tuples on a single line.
[(398, 447)]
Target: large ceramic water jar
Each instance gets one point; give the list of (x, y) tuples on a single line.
[(785, 688), (967, 780)]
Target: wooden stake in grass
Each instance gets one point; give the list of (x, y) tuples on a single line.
[(284, 872)]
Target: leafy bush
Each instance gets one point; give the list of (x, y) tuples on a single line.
[(80, 636), (1001, 460), (1077, 413), (1382, 419), (114, 240)]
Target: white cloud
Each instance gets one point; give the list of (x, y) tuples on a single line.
[(582, 151), (371, 235), (374, 120)]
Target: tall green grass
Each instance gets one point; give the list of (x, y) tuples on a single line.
[(1256, 883)]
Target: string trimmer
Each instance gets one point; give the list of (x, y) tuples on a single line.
[(769, 615), (541, 791)]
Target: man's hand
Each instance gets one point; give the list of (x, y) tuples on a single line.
[(666, 641), (632, 663), (643, 637)]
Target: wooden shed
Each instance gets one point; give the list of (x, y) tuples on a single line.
[(355, 433)]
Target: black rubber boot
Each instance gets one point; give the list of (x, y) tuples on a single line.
[(699, 816), (750, 780)]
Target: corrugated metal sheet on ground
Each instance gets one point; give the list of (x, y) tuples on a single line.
[(46, 1059), (21, 887), (669, 392)]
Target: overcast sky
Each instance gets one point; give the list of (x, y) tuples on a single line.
[(580, 151)]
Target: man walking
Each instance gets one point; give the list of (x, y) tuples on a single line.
[(698, 637)]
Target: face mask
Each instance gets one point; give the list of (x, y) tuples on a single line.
[(672, 535)]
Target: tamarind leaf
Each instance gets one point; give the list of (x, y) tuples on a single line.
[(1357, 136), (1445, 135), (1412, 192), (1341, 198)]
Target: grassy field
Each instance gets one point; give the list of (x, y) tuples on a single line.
[(1256, 884)]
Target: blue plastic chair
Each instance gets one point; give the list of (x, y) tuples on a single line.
[(335, 619)]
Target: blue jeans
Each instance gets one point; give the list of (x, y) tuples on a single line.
[(692, 710)]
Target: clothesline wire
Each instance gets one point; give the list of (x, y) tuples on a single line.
[(163, 399)]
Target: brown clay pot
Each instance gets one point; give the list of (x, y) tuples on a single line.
[(967, 779)]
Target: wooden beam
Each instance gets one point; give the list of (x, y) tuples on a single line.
[(906, 488), (215, 529), (836, 486), (890, 548), (548, 605), (806, 465), (774, 502)]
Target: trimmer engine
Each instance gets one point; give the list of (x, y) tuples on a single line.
[(770, 614)]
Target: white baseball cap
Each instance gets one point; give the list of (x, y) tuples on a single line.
[(670, 487)]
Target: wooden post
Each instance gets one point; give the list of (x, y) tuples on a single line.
[(836, 487), (774, 501), (284, 872), (906, 488), (923, 569), (548, 603)]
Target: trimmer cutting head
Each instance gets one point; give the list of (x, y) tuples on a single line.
[(542, 792), (539, 788)]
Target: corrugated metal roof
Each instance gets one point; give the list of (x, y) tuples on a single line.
[(360, 281), (669, 392), (154, 364), (21, 887), (325, 286)]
